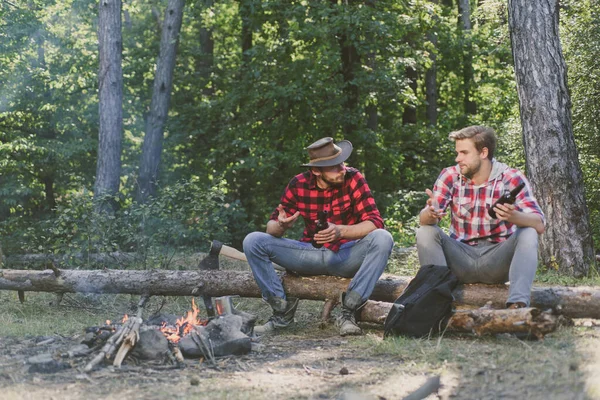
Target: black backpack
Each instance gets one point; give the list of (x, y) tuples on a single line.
[(425, 306)]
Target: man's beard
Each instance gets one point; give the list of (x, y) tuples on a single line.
[(471, 171), (332, 183)]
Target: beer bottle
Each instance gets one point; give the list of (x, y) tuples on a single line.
[(321, 224), (506, 198)]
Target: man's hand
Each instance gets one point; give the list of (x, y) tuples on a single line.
[(504, 211), (431, 214), (278, 227), (509, 213), (331, 234), (283, 220)]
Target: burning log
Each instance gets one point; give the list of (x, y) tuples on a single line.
[(573, 302)]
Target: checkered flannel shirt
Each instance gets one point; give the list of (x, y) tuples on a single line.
[(469, 204), (350, 204)]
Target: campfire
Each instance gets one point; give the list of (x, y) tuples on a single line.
[(160, 338), (183, 326)]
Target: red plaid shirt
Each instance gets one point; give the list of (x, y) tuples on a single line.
[(349, 204), (469, 204)]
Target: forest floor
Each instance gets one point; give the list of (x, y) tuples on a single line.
[(308, 361)]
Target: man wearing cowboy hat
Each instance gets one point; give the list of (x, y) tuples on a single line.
[(354, 245)]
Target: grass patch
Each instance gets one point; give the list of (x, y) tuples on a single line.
[(37, 316)]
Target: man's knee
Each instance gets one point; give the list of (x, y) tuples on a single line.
[(428, 234), (252, 240), (382, 240), (527, 237)]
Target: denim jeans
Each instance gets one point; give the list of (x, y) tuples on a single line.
[(514, 260), (362, 260)]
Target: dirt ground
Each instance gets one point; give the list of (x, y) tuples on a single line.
[(314, 362)]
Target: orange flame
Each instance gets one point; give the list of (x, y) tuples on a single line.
[(125, 318), (184, 325)]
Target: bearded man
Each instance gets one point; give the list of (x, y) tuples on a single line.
[(479, 248), (353, 245)]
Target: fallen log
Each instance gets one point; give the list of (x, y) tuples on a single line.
[(573, 302), (485, 320)]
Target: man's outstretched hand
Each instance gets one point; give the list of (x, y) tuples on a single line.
[(283, 220)]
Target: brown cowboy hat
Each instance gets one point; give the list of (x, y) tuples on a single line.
[(325, 153)]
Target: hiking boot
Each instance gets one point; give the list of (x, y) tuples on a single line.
[(283, 315), (515, 306), (351, 303)]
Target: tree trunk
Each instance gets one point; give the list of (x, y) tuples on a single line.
[(349, 62), (205, 61), (464, 12), (431, 78), (552, 160), (161, 96), (110, 95), (245, 15), (46, 171), (576, 302)]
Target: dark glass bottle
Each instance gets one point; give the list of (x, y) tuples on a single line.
[(321, 224), (506, 198)]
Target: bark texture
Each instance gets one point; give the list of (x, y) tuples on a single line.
[(110, 95), (205, 60), (161, 97), (431, 92), (483, 321), (464, 11), (574, 302), (552, 160)]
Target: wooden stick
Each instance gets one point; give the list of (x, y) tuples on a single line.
[(129, 341), (115, 340), (133, 336), (108, 348), (327, 308)]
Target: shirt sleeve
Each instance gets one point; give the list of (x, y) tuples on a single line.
[(288, 201), (442, 190), (364, 203), (525, 202)]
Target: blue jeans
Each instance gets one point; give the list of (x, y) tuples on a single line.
[(514, 260), (362, 260)]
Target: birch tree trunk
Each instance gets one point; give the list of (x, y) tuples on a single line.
[(110, 95), (161, 96), (552, 159)]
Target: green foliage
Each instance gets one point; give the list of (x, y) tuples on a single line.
[(185, 215), (246, 118), (580, 23)]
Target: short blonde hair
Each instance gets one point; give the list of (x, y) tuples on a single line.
[(482, 137)]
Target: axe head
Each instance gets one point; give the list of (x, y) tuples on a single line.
[(211, 261)]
